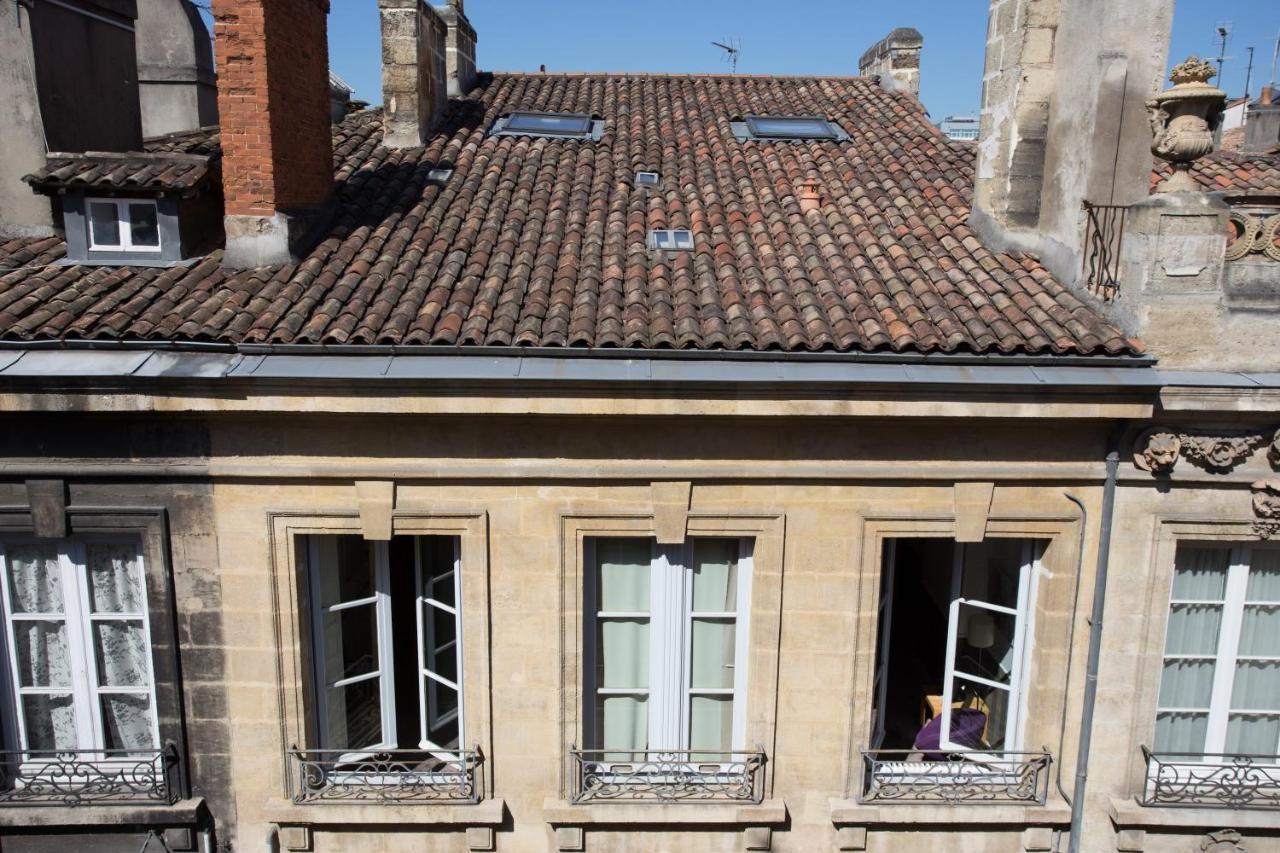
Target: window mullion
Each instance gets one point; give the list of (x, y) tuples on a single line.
[(666, 643), (1228, 648), (122, 221)]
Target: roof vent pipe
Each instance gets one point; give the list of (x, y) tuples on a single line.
[(810, 196)]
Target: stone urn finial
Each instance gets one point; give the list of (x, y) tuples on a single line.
[(1183, 120)]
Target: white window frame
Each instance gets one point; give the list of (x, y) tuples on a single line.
[(78, 616), (427, 677), (123, 222), (1227, 655), (671, 616)]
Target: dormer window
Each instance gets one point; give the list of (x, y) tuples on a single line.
[(788, 129), (671, 239), (551, 125), (123, 225)]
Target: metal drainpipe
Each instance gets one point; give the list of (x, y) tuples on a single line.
[(1071, 640), (1095, 643)]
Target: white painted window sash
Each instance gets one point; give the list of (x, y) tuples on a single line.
[(430, 651), (123, 225), (884, 623), (78, 618)]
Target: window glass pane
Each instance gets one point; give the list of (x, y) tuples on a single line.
[(35, 581), (121, 650), (50, 722), (1193, 629), (437, 568), (623, 722), (992, 571), (624, 653), (115, 578), (712, 652), (624, 574), (985, 643), (346, 569), (43, 657), (711, 723), (1200, 574), (442, 715), (1256, 686), (126, 722), (1260, 630), (1264, 575), (790, 127), (1177, 732), (1252, 734), (1187, 684), (442, 650), (537, 123), (350, 642), (715, 575), (354, 715), (144, 230), (104, 226)]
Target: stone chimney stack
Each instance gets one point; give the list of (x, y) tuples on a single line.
[(414, 86), (1262, 125), (895, 59), (1064, 119), (277, 144), (460, 49)]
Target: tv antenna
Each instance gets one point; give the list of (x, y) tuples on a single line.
[(732, 48), (1224, 33)]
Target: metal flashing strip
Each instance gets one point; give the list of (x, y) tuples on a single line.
[(454, 367)]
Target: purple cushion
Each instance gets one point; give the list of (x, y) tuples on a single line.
[(967, 725)]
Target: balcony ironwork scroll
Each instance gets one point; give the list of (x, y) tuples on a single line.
[(1103, 236), (970, 776), (667, 776), (1198, 780), (384, 776), (74, 777)]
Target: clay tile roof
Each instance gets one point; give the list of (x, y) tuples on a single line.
[(176, 163), (1233, 172), (542, 242)]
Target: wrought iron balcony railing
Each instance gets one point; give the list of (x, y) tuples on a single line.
[(667, 776), (971, 776), (1103, 238), (384, 776), (73, 777), (1194, 779)]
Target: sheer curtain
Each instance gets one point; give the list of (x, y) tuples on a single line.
[(41, 645), (122, 656), (713, 638), (622, 662), (1257, 680), (1191, 643)]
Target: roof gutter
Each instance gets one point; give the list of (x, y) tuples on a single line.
[(600, 353)]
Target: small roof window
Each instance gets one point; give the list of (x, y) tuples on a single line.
[(671, 239), (648, 179), (558, 125), (788, 127)]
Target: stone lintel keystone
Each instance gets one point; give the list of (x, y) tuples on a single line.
[(671, 510), (376, 500), (48, 500), (973, 505)]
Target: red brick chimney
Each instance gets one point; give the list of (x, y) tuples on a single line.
[(277, 144)]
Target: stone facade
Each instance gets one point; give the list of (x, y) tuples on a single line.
[(895, 59)]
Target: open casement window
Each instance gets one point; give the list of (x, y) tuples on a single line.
[(665, 651), (78, 650), (953, 644), (387, 643), (1220, 685)]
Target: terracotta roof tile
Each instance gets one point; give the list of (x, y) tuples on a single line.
[(542, 242), (1232, 171)]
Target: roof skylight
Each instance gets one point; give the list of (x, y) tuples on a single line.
[(671, 239), (559, 125), (790, 127)]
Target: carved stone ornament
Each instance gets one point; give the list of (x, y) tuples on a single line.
[(1183, 121), (1158, 449), (1266, 506), (1222, 841), (1253, 235)]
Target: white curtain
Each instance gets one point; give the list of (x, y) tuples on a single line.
[(1200, 573), (35, 581), (714, 643), (623, 643), (115, 578), (121, 649), (1178, 732), (1253, 734), (50, 722), (1264, 575), (126, 722)]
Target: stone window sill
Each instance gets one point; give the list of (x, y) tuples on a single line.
[(852, 813), (484, 813), (563, 813), (181, 813), (1129, 814)]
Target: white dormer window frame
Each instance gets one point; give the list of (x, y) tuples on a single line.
[(124, 219)]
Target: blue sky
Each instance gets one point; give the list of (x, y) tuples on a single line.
[(789, 37)]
